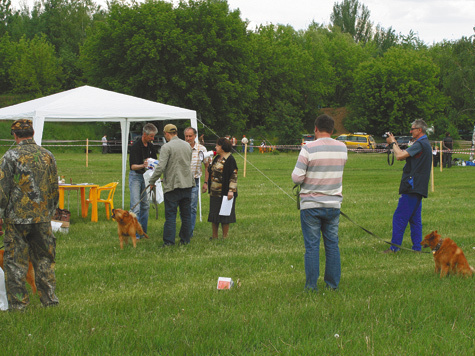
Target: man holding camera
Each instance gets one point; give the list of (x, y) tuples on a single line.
[(413, 186)]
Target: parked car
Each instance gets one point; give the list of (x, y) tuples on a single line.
[(159, 141), (466, 135), (306, 138), (403, 141), (115, 142), (358, 140)]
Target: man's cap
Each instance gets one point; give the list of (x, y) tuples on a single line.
[(170, 128), (22, 124)]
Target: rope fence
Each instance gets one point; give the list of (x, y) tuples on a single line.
[(260, 148)]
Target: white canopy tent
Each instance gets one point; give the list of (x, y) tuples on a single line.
[(90, 104)]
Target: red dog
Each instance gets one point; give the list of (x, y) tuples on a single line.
[(30, 276), (448, 257), (127, 226)]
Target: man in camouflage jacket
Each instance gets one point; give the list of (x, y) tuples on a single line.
[(28, 198)]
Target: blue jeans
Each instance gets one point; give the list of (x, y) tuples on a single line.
[(195, 192), (314, 221), (137, 192), (174, 199), (408, 211)]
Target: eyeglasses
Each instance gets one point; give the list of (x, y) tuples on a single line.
[(414, 128)]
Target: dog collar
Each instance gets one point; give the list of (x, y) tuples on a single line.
[(436, 248)]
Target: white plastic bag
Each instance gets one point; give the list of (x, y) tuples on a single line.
[(156, 197), (3, 292), (158, 192)]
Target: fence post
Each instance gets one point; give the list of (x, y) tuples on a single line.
[(441, 157), (87, 152), (432, 174), (245, 159)]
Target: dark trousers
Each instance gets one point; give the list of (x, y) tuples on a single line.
[(447, 159), (37, 243), (177, 198)]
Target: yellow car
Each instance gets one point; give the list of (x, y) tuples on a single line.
[(357, 140)]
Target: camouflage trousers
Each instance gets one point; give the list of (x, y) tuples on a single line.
[(36, 242)]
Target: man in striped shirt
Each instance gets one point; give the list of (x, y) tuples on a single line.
[(319, 172)]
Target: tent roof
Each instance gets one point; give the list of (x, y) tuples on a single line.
[(88, 103)]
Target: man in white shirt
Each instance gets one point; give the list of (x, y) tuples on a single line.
[(104, 144), (190, 137)]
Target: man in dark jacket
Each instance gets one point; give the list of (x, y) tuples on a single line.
[(413, 186), (28, 199), (142, 149), (447, 155)]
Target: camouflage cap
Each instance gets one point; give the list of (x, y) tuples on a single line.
[(22, 124)]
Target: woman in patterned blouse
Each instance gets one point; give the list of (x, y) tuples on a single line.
[(222, 182)]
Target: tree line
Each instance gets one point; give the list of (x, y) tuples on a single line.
[(271, 80)]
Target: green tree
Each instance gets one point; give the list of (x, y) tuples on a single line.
[(411, 41), (6, 59), (456, 61), (64, 23), (217, 74), (321, 74), (196, 56), (393, 90), (5, 15), (384, 39), (35, 68), (131, 51), (344, 57), (292, 69), (352, 17)]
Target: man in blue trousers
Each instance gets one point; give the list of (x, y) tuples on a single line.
[(413, 187)]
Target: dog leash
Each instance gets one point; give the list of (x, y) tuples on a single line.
[(155, 205), (145, 196), (373, 234), (296, 191)]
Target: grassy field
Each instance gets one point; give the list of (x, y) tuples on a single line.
[(154, 301)]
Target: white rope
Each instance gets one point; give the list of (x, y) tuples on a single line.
[(257, 169)]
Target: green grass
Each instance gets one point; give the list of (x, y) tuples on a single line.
[(154, 301)]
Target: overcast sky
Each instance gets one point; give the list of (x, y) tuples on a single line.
[(431, 20)]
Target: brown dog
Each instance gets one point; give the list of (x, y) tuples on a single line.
[(127, 226), (448, 257), (30, 276)]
